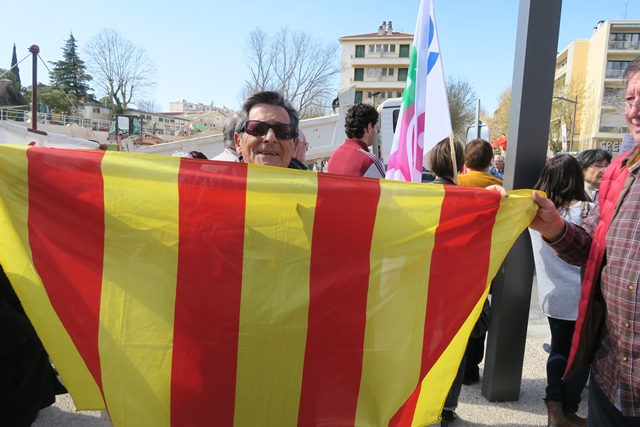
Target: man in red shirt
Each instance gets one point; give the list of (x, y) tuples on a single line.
[(353, 157)]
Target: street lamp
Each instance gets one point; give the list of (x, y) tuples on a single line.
[(573, 122)]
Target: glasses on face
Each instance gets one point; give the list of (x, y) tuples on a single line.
[(258, 128), (598, 166), (625, 106)]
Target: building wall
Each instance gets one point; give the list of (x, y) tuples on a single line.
[(600, 124), (381, 66)]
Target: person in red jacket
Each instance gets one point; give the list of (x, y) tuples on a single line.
[(608, 242), (353, 157)]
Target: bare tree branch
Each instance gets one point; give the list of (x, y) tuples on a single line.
[(301, 68), (120, 68)]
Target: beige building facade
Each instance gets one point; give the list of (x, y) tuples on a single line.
[(376, 63), (592, 70)]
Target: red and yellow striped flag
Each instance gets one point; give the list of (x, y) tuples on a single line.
[(182, 292)]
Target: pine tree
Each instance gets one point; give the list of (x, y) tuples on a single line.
[(15, 70), (69, 74)]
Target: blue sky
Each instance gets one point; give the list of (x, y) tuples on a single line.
[(198, 46)]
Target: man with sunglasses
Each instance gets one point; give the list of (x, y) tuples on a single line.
[(267, 130), (353, 157)]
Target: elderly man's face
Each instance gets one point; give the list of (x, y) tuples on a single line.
[(498, 163), (301, 147), (266, 149), (632, 111)]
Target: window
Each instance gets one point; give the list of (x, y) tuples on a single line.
[(360, 51), (378, 48), (402, 74), (392, 48), (96, 110), (399, 94), (374, 72), (404, 51), (372, 48), (358, 74), (389, 94), (358, 98), (387, 71), (616, 68), (369, 94)]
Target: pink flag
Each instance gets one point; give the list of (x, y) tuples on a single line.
[(424, 116)]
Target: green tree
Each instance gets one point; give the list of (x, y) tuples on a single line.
[(462, 99), (15, 70), (69, 77), (9, 75)]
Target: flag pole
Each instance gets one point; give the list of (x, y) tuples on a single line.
[(454, 158)]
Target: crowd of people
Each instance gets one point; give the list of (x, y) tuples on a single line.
[(584, 239)]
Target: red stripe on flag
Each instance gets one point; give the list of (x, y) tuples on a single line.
[(205, 347), (459, 269), (333, 355), (66, 236)]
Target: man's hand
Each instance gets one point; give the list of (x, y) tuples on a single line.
[(547, 221)]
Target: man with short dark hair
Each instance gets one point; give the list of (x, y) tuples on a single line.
[(477, 157), (267, 130), (353, 157)]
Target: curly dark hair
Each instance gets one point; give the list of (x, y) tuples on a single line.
[(478, 154), (561, 178), (358, 118)]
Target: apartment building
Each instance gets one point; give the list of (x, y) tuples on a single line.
[(591, 70), (376, 63)]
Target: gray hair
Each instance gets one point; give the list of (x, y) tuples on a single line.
[(270, 98), (228, 129)]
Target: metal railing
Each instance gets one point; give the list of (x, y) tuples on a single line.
[(614, 74), (624, 45), (56, 119)]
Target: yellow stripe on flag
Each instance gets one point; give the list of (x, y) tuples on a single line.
[(514, 214), (26, 282), (275, 296), (138, 293), (400, 263)]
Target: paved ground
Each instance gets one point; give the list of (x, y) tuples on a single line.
[(473, 410)]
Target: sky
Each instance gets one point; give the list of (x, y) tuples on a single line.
[(198, 46)]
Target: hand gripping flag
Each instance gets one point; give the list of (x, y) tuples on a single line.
[(424, 118), (182, 292)]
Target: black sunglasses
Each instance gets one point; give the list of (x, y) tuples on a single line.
[(258, 128)]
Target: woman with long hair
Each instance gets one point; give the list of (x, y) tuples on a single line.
[(559, 290)]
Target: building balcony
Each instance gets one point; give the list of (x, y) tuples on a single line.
[(615, 130), (379, 61), (614, 74), (624, 45)]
